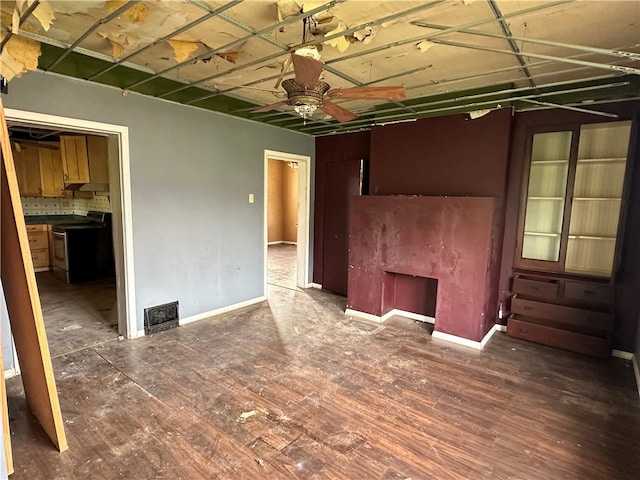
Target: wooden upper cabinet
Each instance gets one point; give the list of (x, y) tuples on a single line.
[(27, 164), (572, 199), (51, 173), (98, 149), (75, 160)]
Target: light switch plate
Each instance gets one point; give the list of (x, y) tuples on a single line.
[(251, 198)]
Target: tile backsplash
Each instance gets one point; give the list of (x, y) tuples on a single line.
[(101, 202)]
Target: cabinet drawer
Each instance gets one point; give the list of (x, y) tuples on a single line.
[(589, 292), (40, 258), (38, 240), (535, 287), (549, 334), (578, 317), (37, 228)]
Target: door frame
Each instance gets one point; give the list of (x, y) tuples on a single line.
[(303, 230), (120, 189)]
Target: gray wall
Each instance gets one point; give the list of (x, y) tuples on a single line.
[(196, 239)]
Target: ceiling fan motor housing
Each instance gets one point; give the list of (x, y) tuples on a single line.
[(302, 94)]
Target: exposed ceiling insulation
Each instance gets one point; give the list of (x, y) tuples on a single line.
[(452, 56)]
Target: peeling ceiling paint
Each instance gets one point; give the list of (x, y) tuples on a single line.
[(216, 54)]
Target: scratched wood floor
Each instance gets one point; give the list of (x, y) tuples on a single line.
[(294, 389)]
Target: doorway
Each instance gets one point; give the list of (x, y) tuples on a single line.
[(287, 184), (120, 194)]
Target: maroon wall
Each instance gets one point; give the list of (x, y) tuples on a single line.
[(442, 156), (336, 148), (445, 238), (457, 156)]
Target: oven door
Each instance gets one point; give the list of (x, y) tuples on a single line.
[(60, 257)]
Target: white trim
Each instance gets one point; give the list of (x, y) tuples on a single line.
[(500, 327), (10, 373), (622, 354), (281, 242), (315, 285), (219, 311), (465, 341), (389, 314), (636, 370), (127, 277), (411, 315), (304, 212), (364, 315)]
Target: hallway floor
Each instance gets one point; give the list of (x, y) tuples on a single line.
[(292, 388)]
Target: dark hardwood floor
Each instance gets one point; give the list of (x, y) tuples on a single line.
[(293, 388), (77, 315)]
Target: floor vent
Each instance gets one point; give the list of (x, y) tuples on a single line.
[(161, 318)]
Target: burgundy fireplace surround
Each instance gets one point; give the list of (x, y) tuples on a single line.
[(450, 239)]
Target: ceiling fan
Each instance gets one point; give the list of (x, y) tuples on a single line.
[(306, 93)]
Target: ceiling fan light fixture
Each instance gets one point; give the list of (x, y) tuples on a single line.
[(305, 110)]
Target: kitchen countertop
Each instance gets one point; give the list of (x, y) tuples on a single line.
[(54, 219)]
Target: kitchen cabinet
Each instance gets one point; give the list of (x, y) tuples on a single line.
[(567, 252), (38, 236), (27, 163), (98, 151), (75, 160), (51, 175)]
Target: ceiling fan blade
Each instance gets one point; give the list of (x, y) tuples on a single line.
[(270, 107), (307, 70), (369, 93), (337, 112), (285, 67)]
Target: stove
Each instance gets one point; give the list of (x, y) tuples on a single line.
[(83, 249)]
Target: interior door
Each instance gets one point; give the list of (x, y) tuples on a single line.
[(343, 180)]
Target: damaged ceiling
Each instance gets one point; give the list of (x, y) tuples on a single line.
[(452, 56)]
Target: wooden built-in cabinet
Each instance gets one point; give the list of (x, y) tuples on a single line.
[(38, 236), (27, 161), (48, 170), (75, 159), (50, 163), (98, 155), (563, 287)]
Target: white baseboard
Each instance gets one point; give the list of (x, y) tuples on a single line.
[(137, 334), (500, 327), (11, 372), (389, 314), (636, 370), (218, 311), (364, 315), (413, 316), (282, 242), (465, 341), (316, 285), (622, 354)]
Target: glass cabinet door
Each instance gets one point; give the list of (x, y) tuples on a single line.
[(546, 193), (574, 199), (597, 197)]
